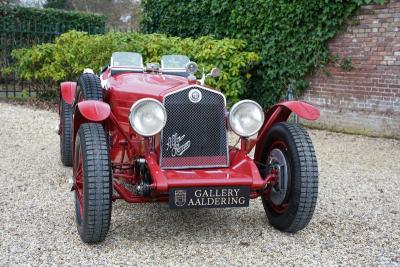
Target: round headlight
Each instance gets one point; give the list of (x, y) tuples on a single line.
[(246, 118), (147, 117)]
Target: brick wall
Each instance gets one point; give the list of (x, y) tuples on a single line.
[(365, 99)]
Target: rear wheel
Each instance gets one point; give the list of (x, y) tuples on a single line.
[(290, 202), (65, 133), (92, 183)]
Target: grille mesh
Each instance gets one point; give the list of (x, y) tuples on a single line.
[(195, 134)]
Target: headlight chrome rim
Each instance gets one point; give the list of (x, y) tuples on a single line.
[(236, 106), (136, 105)]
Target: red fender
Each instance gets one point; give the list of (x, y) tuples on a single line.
[(94, 110), (89, 111), (281, 112), (68, 90)]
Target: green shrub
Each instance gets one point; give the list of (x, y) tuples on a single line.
[(73, 51), (25, 26), (290, 36)]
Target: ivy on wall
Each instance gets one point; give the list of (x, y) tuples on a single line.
[(290, 36)]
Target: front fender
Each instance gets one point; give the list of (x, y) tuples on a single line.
[(68, 91), (93, 110), (89, 111), (281, 112), (302, 109)]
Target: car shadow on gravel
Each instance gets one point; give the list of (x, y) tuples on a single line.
[(152, 222)]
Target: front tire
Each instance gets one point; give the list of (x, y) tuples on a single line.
[(92, 183), (290, 202), (89, 88)]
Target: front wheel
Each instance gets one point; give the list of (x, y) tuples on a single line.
[(92, 183), (290, 202)]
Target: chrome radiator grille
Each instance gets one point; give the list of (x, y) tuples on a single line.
[(195, 135)]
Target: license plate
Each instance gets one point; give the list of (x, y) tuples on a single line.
[(209, 197)]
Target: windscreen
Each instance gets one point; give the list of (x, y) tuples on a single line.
[(127, 60), (174, 62)]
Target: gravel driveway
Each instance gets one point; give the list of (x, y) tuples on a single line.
[(356, 222)]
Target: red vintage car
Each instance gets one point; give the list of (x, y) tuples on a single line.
[(156, 134)]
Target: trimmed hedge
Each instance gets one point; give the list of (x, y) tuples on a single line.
[(26, 26), (73, 51), (290, 36), (39, 20)]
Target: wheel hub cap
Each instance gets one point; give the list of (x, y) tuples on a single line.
[(278, 192)]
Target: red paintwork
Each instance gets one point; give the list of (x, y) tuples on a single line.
[(128, 197), (122, 90), (88, 111), (94, 110), (281, 112), (242, 172), (302, 109), (68, 90), (193, 161), (139, 85)]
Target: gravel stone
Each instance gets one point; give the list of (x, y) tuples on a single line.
[(356, 221)]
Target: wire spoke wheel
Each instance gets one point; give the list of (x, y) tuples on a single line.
[(92, 183), (78, 185)]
